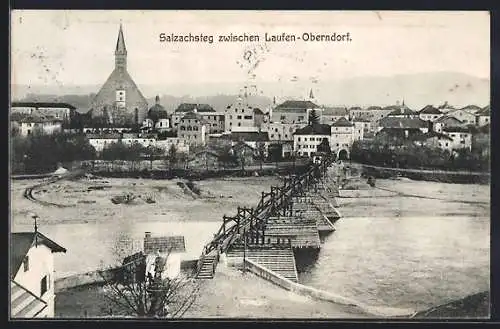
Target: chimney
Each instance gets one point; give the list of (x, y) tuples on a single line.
[(429, 125), (147, 235), (157, 100)]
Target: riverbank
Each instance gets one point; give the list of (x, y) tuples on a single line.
[(231, 294), (457, 177), (474, 306)]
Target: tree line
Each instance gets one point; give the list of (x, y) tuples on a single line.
[(411, 156)]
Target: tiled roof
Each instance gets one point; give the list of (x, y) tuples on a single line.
[(189, 107), (164, 244), (249, 136), (297, 105), (373, 108), (429, 109), (21, 242), (430, 134), (485, 111), (193, 115), (342, 122), (471, 108), (19, 117), (315, 129), (355, 108), (400, 110), (448, 118), (402, 123), (258, 111), (335, 111), (43, 104), (457, 129)]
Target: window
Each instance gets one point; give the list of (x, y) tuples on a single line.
[(298, 139), (230, 117), (29, 131), (283, 117), (238, 117), (248, 117), (44, 286), (26, 264), (239, 124), (446, 144)]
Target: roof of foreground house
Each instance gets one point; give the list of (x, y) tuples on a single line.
[(429, 109), (164, 244), (342, 122), (20, 244)]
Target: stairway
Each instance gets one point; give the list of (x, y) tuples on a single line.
[(206, 268), (24, 304), (278, 260)]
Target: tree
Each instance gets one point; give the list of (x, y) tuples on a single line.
[(132, 293), (152, 152), (172, 157), (313, 117), (261, 152), (324, 146)]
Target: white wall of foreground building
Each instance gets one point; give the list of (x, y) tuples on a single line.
[(40, 265)]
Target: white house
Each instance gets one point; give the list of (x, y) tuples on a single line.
[(239, 114), (164, 255), (342, 135), (461, 137), (360, 127), (167, 143), (483, 117), (36, 124), (60, 111), (307, 139), (32, 275), (100, 141), (330, 115), (446, 121), (144, 140), (282, 131), (465, 116), (430, 113)]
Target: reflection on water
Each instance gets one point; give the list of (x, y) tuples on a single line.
[(413, 262), (92, 245)]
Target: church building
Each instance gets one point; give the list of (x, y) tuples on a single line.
[(119, 102)]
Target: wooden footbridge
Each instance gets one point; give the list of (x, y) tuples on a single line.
[(289, 217)]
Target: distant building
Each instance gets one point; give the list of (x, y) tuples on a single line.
[(193, 129), (251, 138), (433, 139), (168, 142), (483, 117), (372, 114), (343, 134), (32, 275), (294, 112), (471, 109), (461, 137), (463, 115), (260, 118), (446, 121), (216, 121), (401, 111), (331, 114), (396, 130), (62, 111), (157, 117), (185, 108), (307, 139), (239, 114), (36, 124), (145, 140), (282, 131), (163, 255), (101, 141), (206, 160), (430, 113), (119, 101)]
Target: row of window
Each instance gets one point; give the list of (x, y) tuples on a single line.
[(239, 117), (312, 139), (189, 128)]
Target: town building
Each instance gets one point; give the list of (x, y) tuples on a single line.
[(445, 108), (144, 140), (167, 143), (280, 150), (307, 139), (205, 160), (430, 113), (260, 118), (185, 108), (396, 129), (63, 111), (282, 131), (119, 101), (483, 117), (26, 125), (472, 109), (343, 134), (157, 118), (100, 141), (251, 138), (463, 115), (163, 255), (461, 137), (32, 275), (372, 114), (330, 115), (433, 139), (360, 127), (239, 115), (216, 121), (193, 129), (446, 121), (401, 111), (294, 112)]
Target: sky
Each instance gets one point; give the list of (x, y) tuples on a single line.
[(77, 47)]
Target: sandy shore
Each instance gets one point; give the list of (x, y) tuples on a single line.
[(231, 294)]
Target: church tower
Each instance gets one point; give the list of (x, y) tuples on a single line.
[(119, 102), (120, 52)]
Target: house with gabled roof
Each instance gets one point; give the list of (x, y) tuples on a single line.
[(466, 115), (434, 139), (430, 113), (483, 117), (32, 275), (294, 112), (307, 139), (330, 115), (446, 121), (193, 129), (461, 136), (164, 255)]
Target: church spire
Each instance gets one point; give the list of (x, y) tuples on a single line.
[(120, 51), (311, 95)]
